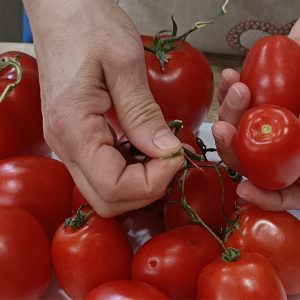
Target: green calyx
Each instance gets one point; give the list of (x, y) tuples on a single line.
[(163, 45)]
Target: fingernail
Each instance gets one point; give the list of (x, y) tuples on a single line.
[(242, 193), (165, 139), (235, 97), (218, 134)]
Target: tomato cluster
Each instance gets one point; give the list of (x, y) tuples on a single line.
[(194, 243)]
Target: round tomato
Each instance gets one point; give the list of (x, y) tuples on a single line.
[(268, 146), (250, 277), (203, 192), (77, 199), (21, 125), (41, 185), (94, 252), (124, 290), (271, 72), (183, 88), (171, 261), (24, 255), (275, 235)]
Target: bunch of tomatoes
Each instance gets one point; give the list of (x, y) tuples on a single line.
[(195, 242)]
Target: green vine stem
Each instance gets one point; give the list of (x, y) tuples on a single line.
[(161, 46), (229, 254), (6, 63)]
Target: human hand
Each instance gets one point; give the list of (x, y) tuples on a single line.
[(90, 57), (234, 99)]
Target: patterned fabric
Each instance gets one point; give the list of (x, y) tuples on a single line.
[(234, 33)]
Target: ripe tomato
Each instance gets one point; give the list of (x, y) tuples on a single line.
[(41, 185), (275, 235), (184, 88), (21, 126), (171, 261), (250, 277), (95, 252), (271, 71), (268, 146), (24, 255), (124, 290), (203, 192)]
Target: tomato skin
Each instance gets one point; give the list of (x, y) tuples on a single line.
[(270, 160), (77, 199), (24, 257), (21, 125), (184, 89), (250, 277), (172, 260), (275, 235), (202, 186), (124, 290), (271, 71), (90, 255), (43, 186)]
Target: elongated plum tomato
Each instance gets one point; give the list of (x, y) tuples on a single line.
[(172, 260), (271, 71), (268, 146), (184, 87), (250, 277), (124, 290), (274, 234)]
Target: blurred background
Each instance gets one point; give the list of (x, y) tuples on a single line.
[(11, 21)]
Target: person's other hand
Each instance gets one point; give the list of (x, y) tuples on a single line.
[(234, 99), (90, 57)]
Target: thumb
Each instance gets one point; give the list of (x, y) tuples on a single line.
[(140, 116), (295, 32)]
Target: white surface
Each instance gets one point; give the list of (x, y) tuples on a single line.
[(54, 292)]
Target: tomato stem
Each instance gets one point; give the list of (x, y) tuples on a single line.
[(161, 46), (11, 62), (79, 219)]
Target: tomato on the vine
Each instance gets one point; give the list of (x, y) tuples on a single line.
[(89, 250), (41, 185), (21, 126), (183, 88), (124, 290), (271, 71), (24, 255), (275, 235), (172, 260), (203, 192), (268, 146), (249, 277)]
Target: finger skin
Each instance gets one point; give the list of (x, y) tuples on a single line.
[(228, 78), (286, 199), (85, 68)]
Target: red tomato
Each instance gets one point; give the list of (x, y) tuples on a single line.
[(203, 192), (271, 71), (250, 277), (24, 255), (144, 223), (275, 235), (94, 253), (124, 290), (41, 185), (172, 260), (268, 146), (184, 88), (21, 126)]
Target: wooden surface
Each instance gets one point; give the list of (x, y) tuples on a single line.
[(218, 63)]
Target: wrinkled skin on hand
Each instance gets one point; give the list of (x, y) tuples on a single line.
[(90, 58)]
